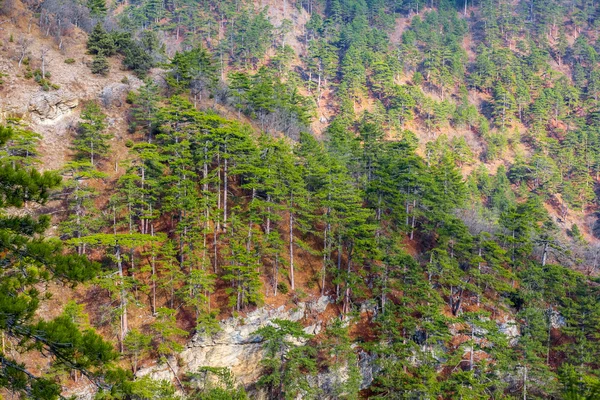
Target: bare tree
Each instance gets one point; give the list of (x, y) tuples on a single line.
[(59, 17), (23, 48), (44, 59), (589, 256), (6, 8)]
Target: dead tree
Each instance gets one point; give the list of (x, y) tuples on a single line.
[(23, 48), (44, 59)]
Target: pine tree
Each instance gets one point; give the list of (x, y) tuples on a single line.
[(137, 345), (82, 215), (97, 7), (22, 148), (116, 246), (167, 333), (100, 42), (342, 360), (145, 107), (242, 269), (195, 70), (284, 362), (28, 259), (100, 65), (240, 84), (90, 141)]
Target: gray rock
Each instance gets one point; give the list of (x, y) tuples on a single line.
[(331, 380), (237, 347), (556, 320), (510, 328), (114, 94), (86, 393), (320, 305), (160, 372), (368, 368), (369, 307), (313, 329)]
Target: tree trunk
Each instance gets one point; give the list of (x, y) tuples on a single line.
[(225, 188), (545, 254), (525, 383), (124, 325), (218, 224), (339, 266), (346, 307), (153, 264), (292, 283), (471, 358), (275, 274)]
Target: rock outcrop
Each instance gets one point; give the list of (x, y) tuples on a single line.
[(237, 347), (47, 107), (114, 95), (510, 328)]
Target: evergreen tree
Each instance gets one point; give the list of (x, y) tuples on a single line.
[(100, 65), (145, 107), (97, 7), (91, 142), (28, 259), (284, 362), (100, 42)]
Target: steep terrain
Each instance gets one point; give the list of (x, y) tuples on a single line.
[(305, 199)]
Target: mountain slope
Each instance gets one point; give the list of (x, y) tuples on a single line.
[(337, 199)]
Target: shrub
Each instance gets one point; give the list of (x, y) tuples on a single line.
[(100, 65), (282, 288), (70, 61)]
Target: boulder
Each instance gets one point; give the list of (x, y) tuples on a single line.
[(320, 304), (114, 94)]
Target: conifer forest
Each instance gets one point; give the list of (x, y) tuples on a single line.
[(299, 199)]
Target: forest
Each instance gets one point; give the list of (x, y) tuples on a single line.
[(429, 166)]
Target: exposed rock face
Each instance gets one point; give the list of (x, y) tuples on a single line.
[(236, 346), (114, 95), (330, 381), (510, 328), (49, 106), (86, 393), (557, 321), (368, 368)]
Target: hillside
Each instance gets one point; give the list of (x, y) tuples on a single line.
[(284, 199)]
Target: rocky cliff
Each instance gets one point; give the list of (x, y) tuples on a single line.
[(237, 347)]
